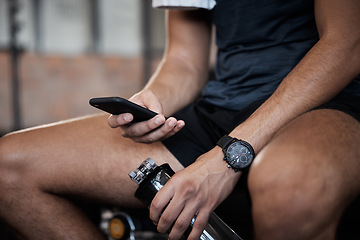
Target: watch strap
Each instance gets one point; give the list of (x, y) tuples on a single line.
[(225, 141)]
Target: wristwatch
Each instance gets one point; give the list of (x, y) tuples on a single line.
[(238, 153)]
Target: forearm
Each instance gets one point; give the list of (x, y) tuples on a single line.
[(184, 67), (327, 68), (176, 83)]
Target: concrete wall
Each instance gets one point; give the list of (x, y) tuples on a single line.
[(65, 26), (120, 24)]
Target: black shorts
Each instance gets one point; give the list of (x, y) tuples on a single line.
[(206, 124)]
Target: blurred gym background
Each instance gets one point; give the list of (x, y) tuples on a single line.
[(57, 54)]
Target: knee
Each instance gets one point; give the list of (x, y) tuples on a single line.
[(287, 199)]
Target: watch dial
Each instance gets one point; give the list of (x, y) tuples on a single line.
[(238, 155)]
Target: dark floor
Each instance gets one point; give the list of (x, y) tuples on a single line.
[(349, 228)]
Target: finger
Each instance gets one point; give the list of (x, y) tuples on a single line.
[(143, 128), (199, 225), (179, 211), (164, 131), (115, 121), (179, 125), (160, 201), (183, 222), (169, 215), (160, 132)]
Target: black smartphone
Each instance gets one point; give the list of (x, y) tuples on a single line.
[(118, 105)]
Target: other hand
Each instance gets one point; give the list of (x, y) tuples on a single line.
[(195, 190)]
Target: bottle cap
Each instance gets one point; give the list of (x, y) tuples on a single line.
[(141, 173)]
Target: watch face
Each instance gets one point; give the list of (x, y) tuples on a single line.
[(238, 155)]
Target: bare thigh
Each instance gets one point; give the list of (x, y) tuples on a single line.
[(82, 157), (308, 173)]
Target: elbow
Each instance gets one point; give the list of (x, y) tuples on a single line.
[(347, 48)]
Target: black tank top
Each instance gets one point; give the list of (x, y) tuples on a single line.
[(259, 43)]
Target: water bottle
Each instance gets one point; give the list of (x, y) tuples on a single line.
[(150, 178)]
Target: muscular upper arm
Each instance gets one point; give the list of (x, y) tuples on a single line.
[(188, 39)]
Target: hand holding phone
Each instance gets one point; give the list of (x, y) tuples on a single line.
[(145, 132), (118, 105)]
